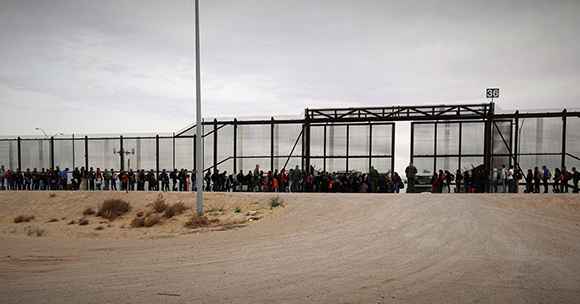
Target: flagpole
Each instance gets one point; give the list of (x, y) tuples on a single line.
[(199, 145)]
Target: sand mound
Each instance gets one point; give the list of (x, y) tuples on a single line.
[(72, 214)]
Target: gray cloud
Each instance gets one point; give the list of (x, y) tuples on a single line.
[(106, 66)]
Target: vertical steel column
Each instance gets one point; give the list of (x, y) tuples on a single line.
[(272, 144), (86, 152), (487, 144), (564, 122), (347, 145), (19, 144), (412, 141), (121, 154), (370, 146), (393, 147), (460, 144), (307, 140), (51, 153), (173, 149), (73, 151), (435, 149), (157, 156), (516, 139), (215, 144), (235, 146), (324, 151)]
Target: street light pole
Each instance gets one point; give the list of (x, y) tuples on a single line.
[(199, 150)]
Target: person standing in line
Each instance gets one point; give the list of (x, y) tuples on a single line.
[(114, 178), (2, 172), (98, 179), (411, 174), (107, 178), (503, 179), (511, 180), (529, 181), (565, 179), (557, 178), (537, 179), (575, 179), (546, 176)]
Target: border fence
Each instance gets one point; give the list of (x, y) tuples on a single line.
[(333, 140)]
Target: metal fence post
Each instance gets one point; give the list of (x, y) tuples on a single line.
[(412, 142), (215, 144), (564, 123), (435, 148), (347, 145), (393, 147), (19, 143), (235, 152), (195, 152), (516, 139), (121, 153), (73, 152), (173, 150), (157, 156), (272, 144), (86, 152), (324, 151), (51, 153), (370, 146)]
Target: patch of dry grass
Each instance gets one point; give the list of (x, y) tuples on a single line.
[(89, 211), (113, 208), (174, 210), (152, 220), (196, 221), (159, 205), (35, 231), (23, 218)]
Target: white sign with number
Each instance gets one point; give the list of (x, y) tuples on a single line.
[(492, 93)]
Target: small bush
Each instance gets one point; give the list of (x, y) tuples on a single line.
[(23, 218), (276, 202), (52, 195), (99, 228), (174, 210), (52, 220), (35, 231), (113, 208), (152, 220), (83, 222), (159, 204), (197, 221), (89, 211), (138, 221), (238, 210)]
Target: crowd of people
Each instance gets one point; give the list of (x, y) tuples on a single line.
[(257, 180), (506, 180), (502, 180)]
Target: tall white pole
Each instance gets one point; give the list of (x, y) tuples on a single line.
[(198, 143)]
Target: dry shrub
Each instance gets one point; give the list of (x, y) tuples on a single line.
[(52, 220), (276, 202), (35, 231), (113, 208), (152, 220), (83, 222), (52, 195), (197, 221), (23, 218), (174, 210), (138, 221), (99, 228), (159, 204), (89, 211)]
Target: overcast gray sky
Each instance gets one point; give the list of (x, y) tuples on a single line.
[(128, 66)]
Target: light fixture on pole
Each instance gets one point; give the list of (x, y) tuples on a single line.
[(199, 145)]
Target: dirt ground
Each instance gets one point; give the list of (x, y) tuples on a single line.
[(319, 248)]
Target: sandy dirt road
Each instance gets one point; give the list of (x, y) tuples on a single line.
[(323, 248)]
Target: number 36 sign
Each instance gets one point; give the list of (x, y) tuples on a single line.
[(492, 92)]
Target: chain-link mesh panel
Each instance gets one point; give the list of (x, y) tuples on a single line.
[(472, 138), (9, 154), (35, 153), (540, 135), (63, 154), (184, 153), (447, 139), (423, 139)]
